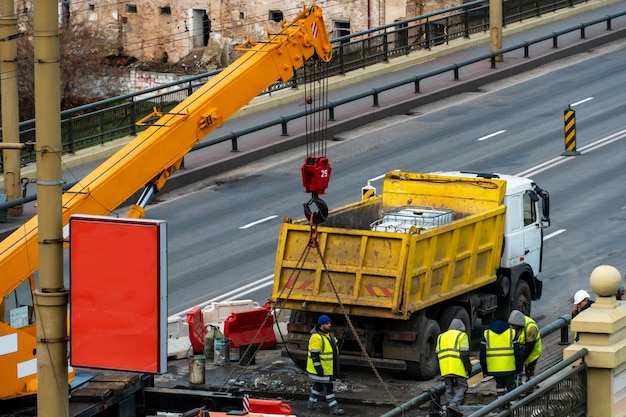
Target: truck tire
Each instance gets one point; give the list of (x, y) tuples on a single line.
[(428, 365), (454, 312), (522, 298)]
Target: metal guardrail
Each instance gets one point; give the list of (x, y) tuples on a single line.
[(106, 120), (562, 394), (414, 81)]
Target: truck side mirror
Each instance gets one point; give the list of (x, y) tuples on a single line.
[(545, 208)]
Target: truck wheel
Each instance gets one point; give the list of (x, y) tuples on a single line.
[(522, 297), (428, 365), (454, 312)]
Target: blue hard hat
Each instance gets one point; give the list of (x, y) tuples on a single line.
[(323, 319)]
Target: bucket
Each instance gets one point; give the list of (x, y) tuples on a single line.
[(197, 367), (221, 351), (209, 346), (234, 354), (247, 355)]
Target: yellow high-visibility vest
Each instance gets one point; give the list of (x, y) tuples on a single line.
[(499, 351), (528, 323), (449, 345)]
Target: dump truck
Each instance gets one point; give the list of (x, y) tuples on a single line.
[(393, 270)]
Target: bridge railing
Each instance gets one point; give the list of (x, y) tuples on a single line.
[(563, 392), (563, 389)]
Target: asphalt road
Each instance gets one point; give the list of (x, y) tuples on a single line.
[(217, 246)]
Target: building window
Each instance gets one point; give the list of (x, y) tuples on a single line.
[(165, 10), (242, 15), (276, 15), (92, 7), (131, 8), (341, 28)]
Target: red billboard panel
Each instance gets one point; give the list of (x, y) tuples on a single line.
[(118, 293)]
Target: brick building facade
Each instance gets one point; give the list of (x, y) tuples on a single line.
[(168, 30)]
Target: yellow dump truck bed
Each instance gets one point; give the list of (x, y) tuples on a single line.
[(394, 273)]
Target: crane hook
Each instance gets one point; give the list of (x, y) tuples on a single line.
[(316, 217)]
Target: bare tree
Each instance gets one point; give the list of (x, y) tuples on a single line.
[(86, 76)]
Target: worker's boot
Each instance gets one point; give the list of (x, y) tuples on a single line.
[(314, 405), (337, 411), (454, 411)]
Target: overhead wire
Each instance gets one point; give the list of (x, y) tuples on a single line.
[(161, 40)]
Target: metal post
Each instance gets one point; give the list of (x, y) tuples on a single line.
[(10, 102), (50, 297), (495, 27), (569, 118)]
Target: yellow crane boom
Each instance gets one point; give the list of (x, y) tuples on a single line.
[(147, 161)]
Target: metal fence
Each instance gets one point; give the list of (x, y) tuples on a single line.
[(110, 119), (559, 391), (563, 393), (413, 83)]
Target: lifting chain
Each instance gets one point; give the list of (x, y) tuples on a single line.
[(313, 243), (242, 370), (239, 371), (354, 332)]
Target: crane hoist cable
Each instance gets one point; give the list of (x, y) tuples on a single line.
[(316, 169)]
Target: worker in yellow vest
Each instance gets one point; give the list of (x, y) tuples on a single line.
[(500, 355), (454, 365), (323, 365), (529, 338)]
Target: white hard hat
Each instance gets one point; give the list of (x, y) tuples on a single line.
[(580, 295)]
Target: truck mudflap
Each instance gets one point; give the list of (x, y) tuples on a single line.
[(299, 356), (538, 288)]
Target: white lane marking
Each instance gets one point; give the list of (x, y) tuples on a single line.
[(257, 286), (553, 234), (499, 132), (262, 281), (263, 220), (244, 289), (585, 149), (381, 176), (581, 101)]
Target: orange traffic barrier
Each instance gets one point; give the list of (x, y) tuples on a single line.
[(196, 330), (242, 328), (269, 406)]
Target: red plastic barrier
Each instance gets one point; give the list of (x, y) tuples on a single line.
[(242, 327), (269, 406), (196, 329)]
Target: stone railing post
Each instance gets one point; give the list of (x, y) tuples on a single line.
[(602, 331)]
